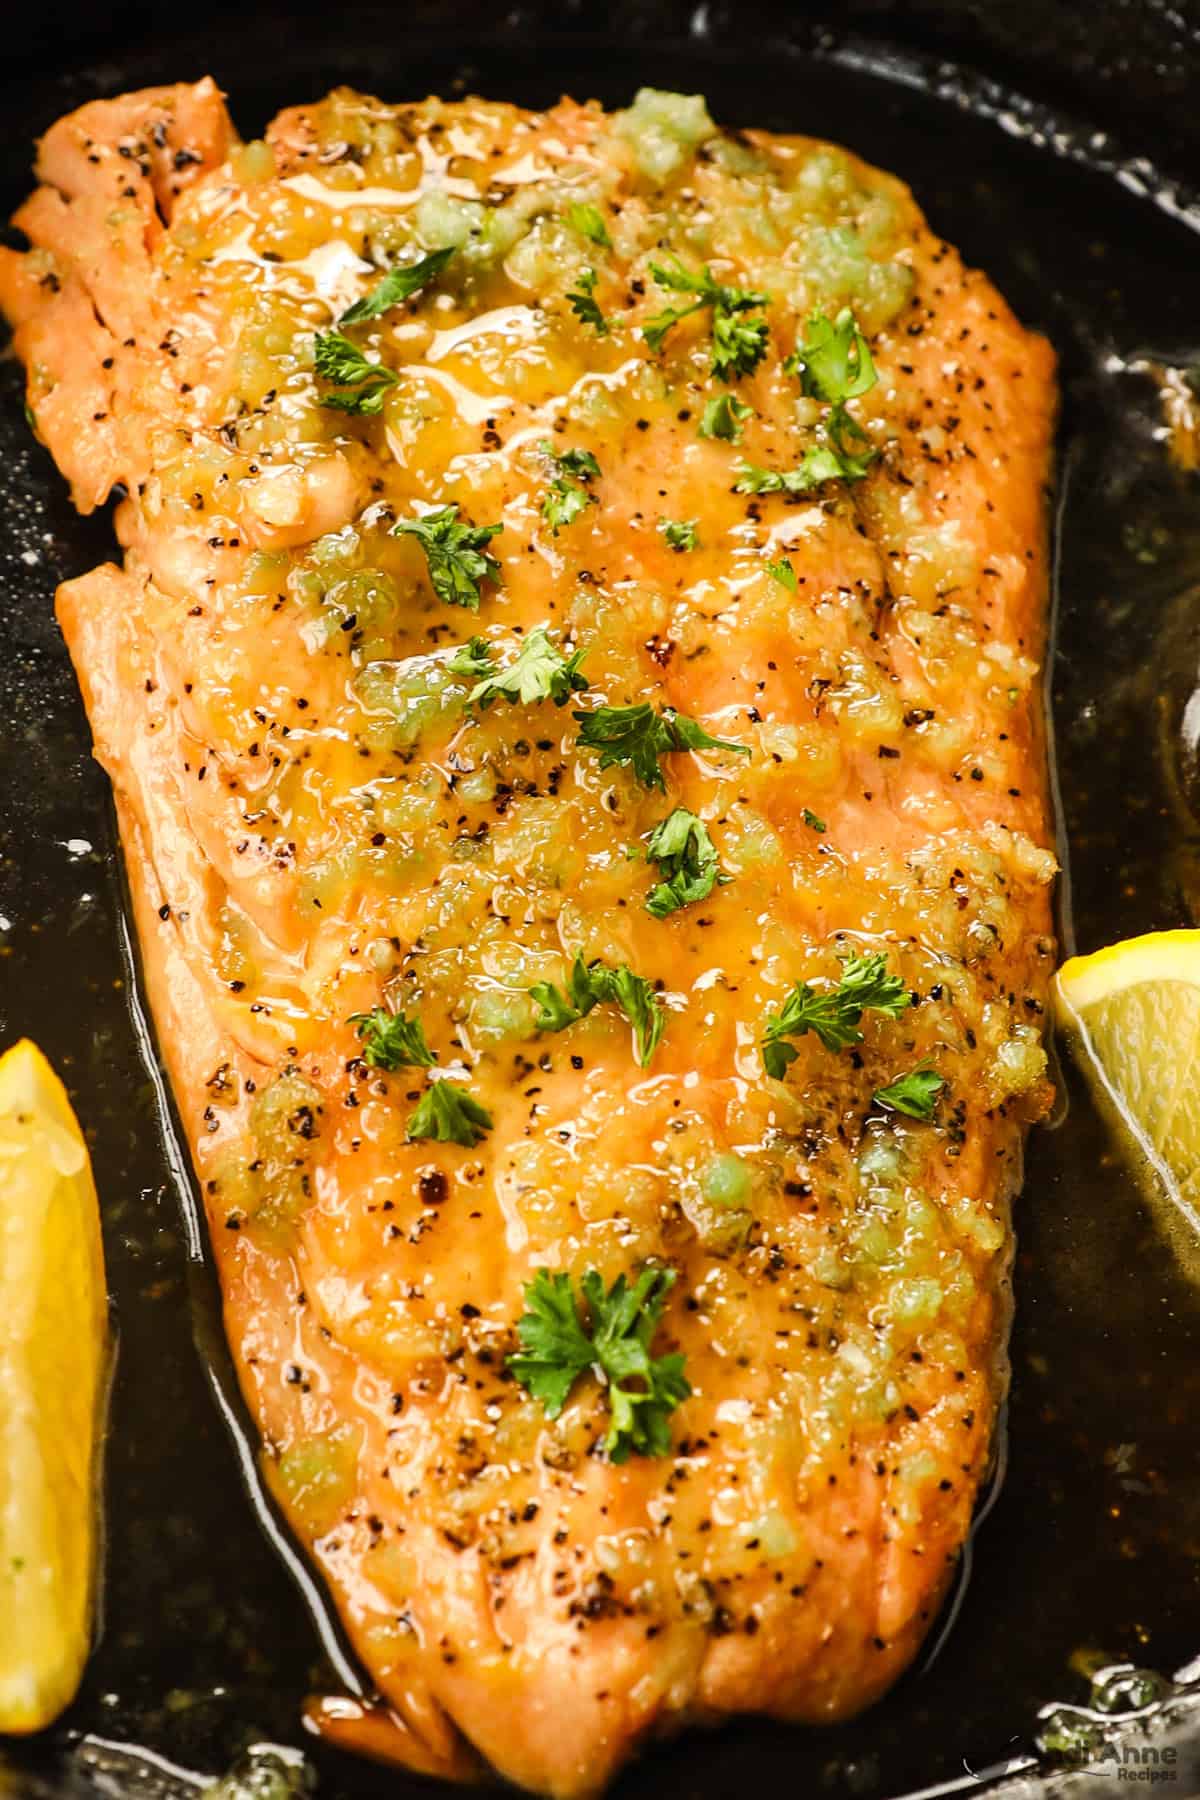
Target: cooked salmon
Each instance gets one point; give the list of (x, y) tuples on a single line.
[(571, 692)]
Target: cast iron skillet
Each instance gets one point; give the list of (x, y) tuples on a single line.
[(208, 1639)]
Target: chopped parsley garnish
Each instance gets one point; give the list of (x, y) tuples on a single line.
[(583, 303), (815, 466), (783, 572), (576, 462), (560, 1342), (834, 364), (723, 418), (681, 534), (913, 1094), (588, 221), (398, 284), (556, 1009), (834, 361), (458, 562), (473, 659), (833, 1015), (360, 385), (563, 502), (392, 1040), (687, 860), (843, 431), (540, 672), (738, 344), (447, 1113), (639, 735), (566, 497), (594, 983), (812, 821)]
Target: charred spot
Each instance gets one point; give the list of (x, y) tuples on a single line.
[(433, 1188), (303, 1122)]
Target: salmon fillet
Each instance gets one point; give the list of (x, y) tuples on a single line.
[(575, 734)]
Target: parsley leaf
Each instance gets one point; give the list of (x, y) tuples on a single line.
[(655, 329), (834, 1015), (584, 305), (563, 502), (816, 465), (710, 292), (739, 344), (783, 572), (681, 534), (575, 462), (474, 659), (447, 1113), (842, 430), (398, 284), (835, 365), (560, 1342), (866, 986), (458, 562), (566, 498), (361, 384), (638, 735), (588, 221), (392, 1040), (812, 821), (557, 1009), (913, 1093), (687, 859), (834, 361), (638, 1001), (590, 985), (556, 1348), (540, 672), (723, 417)]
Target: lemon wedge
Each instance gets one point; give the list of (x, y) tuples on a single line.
[(1132, 1013), (53, 1358)]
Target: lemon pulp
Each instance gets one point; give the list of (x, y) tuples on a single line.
[(53, 1344), (1132, 1013)]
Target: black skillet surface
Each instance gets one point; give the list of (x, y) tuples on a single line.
[(1091, 1544)]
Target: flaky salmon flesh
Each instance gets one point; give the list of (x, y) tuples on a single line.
[(571, 692)]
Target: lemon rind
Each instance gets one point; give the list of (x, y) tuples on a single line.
[(1158, 956)]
